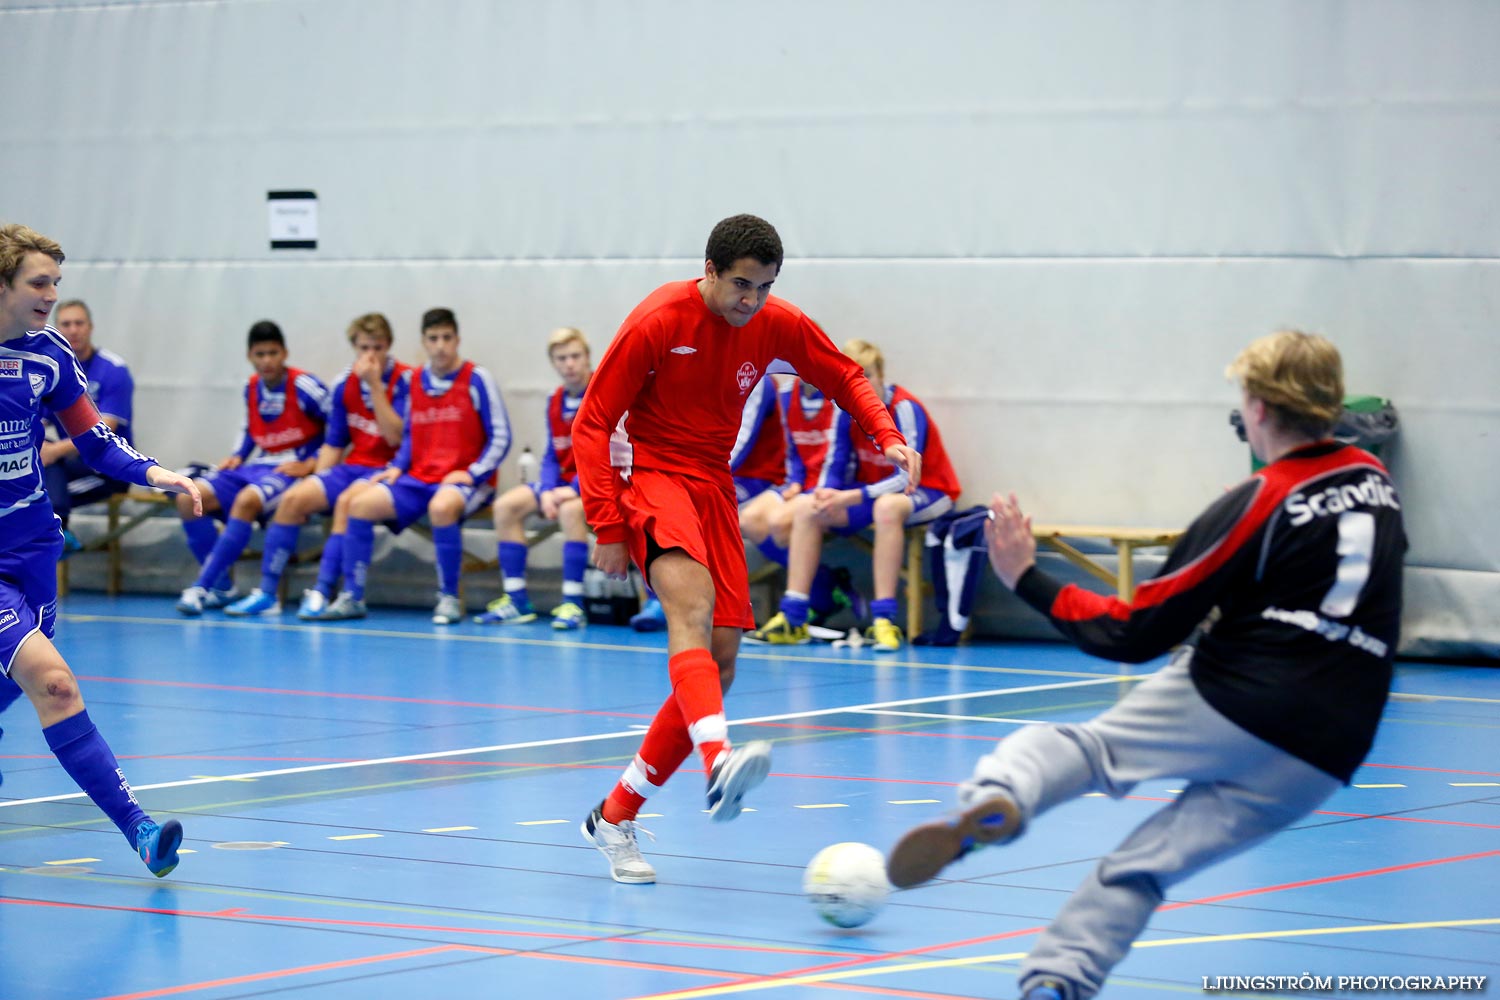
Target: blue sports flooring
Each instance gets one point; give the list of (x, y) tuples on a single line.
[(390, 808)]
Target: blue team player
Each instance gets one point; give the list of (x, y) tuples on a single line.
[(366, 417), (285, 412), (39, 371), (456, 436), (554, 496)]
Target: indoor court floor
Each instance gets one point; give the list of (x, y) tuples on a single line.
[(390, 808)]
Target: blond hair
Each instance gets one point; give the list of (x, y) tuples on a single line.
[(374, 324), (16, 241), (866, 355), (567, 335), (1299, 375)]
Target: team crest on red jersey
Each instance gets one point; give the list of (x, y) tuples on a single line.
[(746, 377)]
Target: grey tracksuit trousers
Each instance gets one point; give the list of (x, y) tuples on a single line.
[(1240, 790)]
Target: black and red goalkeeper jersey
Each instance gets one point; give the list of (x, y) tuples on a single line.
[(1295, 578)]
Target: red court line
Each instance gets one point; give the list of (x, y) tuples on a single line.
[(361, 697), (877, 732), (1439, 770), (1381, 818), (1329, 879), (688, 970), (240, 913), (991, 938), (259, 977), (614, 963), (1409, 819)]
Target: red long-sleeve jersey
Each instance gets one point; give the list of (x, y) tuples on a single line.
[(671, 389)]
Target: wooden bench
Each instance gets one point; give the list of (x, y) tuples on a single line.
[(1125, 541), (109, 542)]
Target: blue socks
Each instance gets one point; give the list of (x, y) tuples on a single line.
[(359, 544), (575, 562), (449, 545), (883, 607), (226, 551), (281, 542), (331, 565), (512, 556), (794, 606), (820, 595), (772, 551), (92, 766), (201, 536)]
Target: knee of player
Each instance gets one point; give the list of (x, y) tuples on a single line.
[(58, 688), (892, 510), (513, 506), (185, 505), (803, 513), (570, 515), (247, 504), (445, 508)]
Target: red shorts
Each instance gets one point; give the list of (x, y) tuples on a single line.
[(702, 519)]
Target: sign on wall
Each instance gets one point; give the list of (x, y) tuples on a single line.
[(294, 219)]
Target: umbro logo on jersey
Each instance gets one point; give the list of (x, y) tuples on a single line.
[(684, 350)]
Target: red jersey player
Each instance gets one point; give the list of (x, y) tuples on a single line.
[(653, 440)]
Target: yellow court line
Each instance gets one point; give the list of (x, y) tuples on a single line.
[(449, 829), (1379, 786), (358, 836), (542, 822), (954, 963), (1475, 784), (71, 861)]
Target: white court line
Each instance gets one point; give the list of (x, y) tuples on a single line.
[(569, 740), (950, 718)]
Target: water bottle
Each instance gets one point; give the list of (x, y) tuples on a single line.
[(528, 465)]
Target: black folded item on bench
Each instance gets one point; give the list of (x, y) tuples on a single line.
[(956, 554)]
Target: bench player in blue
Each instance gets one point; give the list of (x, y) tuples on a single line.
[(285, 410), (554, 495), (456, 436), (366, 417), (38, 370)]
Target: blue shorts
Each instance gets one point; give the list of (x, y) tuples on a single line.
[(411, 497), (28, 592), (747, 489), (227, 483), (926, 505), (339, 478)]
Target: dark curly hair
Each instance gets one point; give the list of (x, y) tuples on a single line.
[(741, 236)]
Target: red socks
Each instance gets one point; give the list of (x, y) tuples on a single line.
[(696, 696)]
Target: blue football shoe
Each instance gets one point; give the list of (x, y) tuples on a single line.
[(157, 846)]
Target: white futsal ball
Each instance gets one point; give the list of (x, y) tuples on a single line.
[(846, 883)]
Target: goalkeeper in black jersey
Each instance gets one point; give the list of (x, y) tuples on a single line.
[(1289, 586)]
